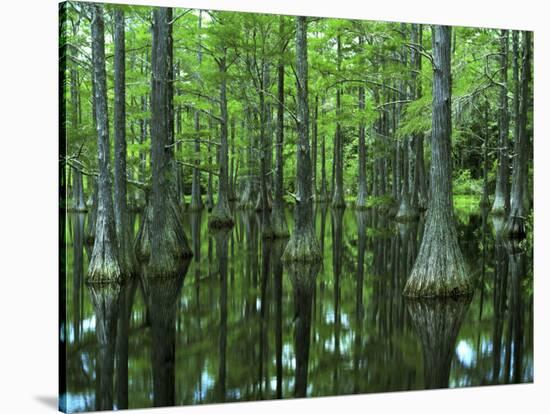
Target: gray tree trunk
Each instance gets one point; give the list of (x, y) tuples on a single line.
[(440, 269), (419, 190), (221, 213), (361, 202), (196, 198), (104, 263), (278, 220), (303, 244), (515, 226), (124, 236), (167, 237), (501, 204), (338, 200)]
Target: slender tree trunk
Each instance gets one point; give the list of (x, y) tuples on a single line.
[(221, 214), (104, 264), (314, 147), (484, 203), (440, 269), (278, 220), (419, 190), (515, 227), (124, 237), (168, 241), (338, 200), (196, 198), (303, 244), (323, 192), (263, 205), (361, 202), (232, 193), (501, 204)]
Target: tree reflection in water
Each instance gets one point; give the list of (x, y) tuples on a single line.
[(161, 296), (302, 277), (437, 323)]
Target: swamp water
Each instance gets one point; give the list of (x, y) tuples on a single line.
[(238, 325)]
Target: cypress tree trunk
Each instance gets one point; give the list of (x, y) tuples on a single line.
[(338, 200), (232, 195), (361, 202), (79, 204), (124, 237), (515, 226), (264, 202), (278, 220), (167, 237), (406, 209), (104, 264), (419, 190), (221, 214), (247, 197), (314, 147), (196, 198), (484, 203), (440, 269), (303, 244), (501, 203), (323, 192)]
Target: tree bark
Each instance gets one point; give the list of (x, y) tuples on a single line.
[(124, 236), (338, 200), (361, 202), (104, 263), (278, 220), (440, 269), (167, 237), (196, 198), (303, 244), (515, 226), (501, 204), (221, 214), (419, 190)]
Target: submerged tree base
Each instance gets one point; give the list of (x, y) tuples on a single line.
[(279, 226), (515, 228), (406, 213), (177, 246), (439, 270), (220, 220), (302, 247)]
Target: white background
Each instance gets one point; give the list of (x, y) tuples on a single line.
[(28, 203)]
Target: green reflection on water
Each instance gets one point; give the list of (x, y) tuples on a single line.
[(237, 325)]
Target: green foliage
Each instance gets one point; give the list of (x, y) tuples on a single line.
[(464, 184)]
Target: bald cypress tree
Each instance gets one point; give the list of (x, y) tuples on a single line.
[(303, 244), (124, 236), (440, 269), (104, 264)]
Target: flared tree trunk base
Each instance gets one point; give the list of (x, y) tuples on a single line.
[(220, 218), (439, 270), (515, 228), (104, 264), (279, 225), (302, 247), (175, 242), (406, 213)]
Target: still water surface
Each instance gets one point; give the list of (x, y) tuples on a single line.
[(237, 325)]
